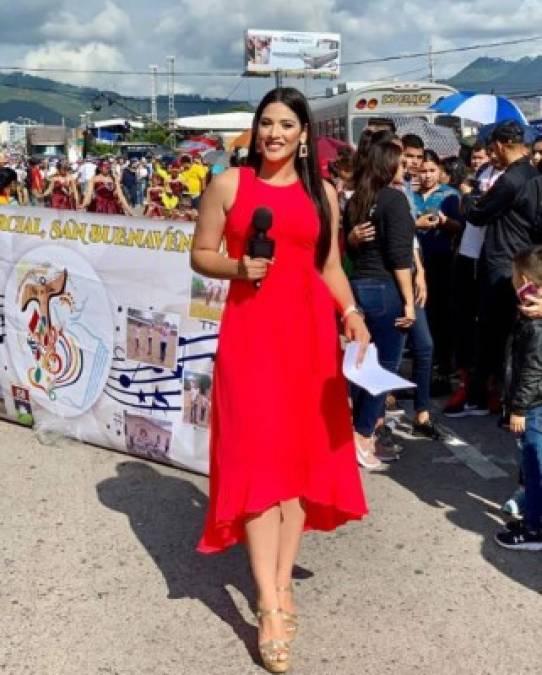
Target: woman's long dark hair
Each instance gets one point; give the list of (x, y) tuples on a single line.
[(377, 171), (308, 168), (367, 139)]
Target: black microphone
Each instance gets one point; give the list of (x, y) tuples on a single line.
[(259, 244)]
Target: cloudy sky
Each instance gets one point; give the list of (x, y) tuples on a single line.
[(207, 35)]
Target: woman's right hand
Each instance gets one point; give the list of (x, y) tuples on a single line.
[(408, 318), (252, 269), (362, 233)]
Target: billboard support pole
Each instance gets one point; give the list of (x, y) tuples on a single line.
[(278, 78)]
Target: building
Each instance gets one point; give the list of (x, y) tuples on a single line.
[(113, 130), (530, 106), (48, 141), (12, 133)]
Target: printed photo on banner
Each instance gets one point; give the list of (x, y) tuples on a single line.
[(207, 298), (21, 402), (60, 329), (197, 399), (152, 337), (147, 436), (3, 410)]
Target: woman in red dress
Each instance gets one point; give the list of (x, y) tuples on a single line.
[(282, 450), (104, 193), (153, 207), (62, 189)]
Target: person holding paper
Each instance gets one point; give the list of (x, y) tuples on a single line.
[(381, 278), (283, 458)]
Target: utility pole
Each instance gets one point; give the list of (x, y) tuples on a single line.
[(171, 100), (431, 61), (171, 92), (154, 87)]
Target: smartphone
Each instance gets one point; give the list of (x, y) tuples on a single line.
[(433, 214), (527, 289)]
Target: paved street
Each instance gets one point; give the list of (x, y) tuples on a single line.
[(100, 574)]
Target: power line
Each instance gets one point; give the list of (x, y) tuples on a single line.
[(451, 50), (85, 71), (225, 73)]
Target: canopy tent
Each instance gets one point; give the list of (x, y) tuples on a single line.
[(232, 121)]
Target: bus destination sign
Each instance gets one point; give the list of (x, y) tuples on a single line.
[(406, 100)]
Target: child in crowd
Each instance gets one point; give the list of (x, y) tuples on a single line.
[(524, 399)]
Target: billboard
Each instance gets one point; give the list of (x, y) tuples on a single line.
[(269, 51)]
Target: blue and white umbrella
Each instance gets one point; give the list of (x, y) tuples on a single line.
[(483, 108)]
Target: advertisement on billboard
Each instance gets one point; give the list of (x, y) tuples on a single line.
[(268, 51)]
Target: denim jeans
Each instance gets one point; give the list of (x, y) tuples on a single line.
[(531, 459), (438, 272), (421, 345), (141, 190), (382, 304)]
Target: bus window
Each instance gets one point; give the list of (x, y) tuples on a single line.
[(358, 125), (329, 127), (342, 129), (336, 127)]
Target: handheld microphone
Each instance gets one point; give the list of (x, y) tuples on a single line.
[(259, 244)]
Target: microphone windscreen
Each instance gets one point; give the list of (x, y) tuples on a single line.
[(262, 219)]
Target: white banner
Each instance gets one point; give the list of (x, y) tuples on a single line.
[(105, 333)]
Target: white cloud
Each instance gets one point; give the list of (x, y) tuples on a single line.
[(111, 24), (91, 56), (207, 35)]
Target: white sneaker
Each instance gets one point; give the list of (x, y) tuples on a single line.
[(366, 457)]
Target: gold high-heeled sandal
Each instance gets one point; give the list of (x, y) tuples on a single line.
[(291, 620), (275, 654)]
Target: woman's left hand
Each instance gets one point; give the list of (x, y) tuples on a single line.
[(356, 331)]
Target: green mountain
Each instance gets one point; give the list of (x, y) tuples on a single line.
[(489, 75), (49, 102)]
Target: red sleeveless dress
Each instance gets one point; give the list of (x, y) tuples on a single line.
[(61, 197), (105, 199), (281, 427)]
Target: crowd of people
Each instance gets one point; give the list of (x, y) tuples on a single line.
[(165, 188), (440, 252), (428, 244)]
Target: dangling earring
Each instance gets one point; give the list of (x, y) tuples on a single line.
[(303, 150)]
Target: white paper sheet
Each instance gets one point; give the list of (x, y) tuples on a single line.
[(370, 375)]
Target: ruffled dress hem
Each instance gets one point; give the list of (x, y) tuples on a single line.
[(329, 517)]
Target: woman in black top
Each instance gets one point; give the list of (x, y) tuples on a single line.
[(381, 275)]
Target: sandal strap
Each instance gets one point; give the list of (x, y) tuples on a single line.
[(289, 616), (261, 613), (272, 648), (286, 589)]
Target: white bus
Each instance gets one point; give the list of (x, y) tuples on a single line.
[(345, 115)]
